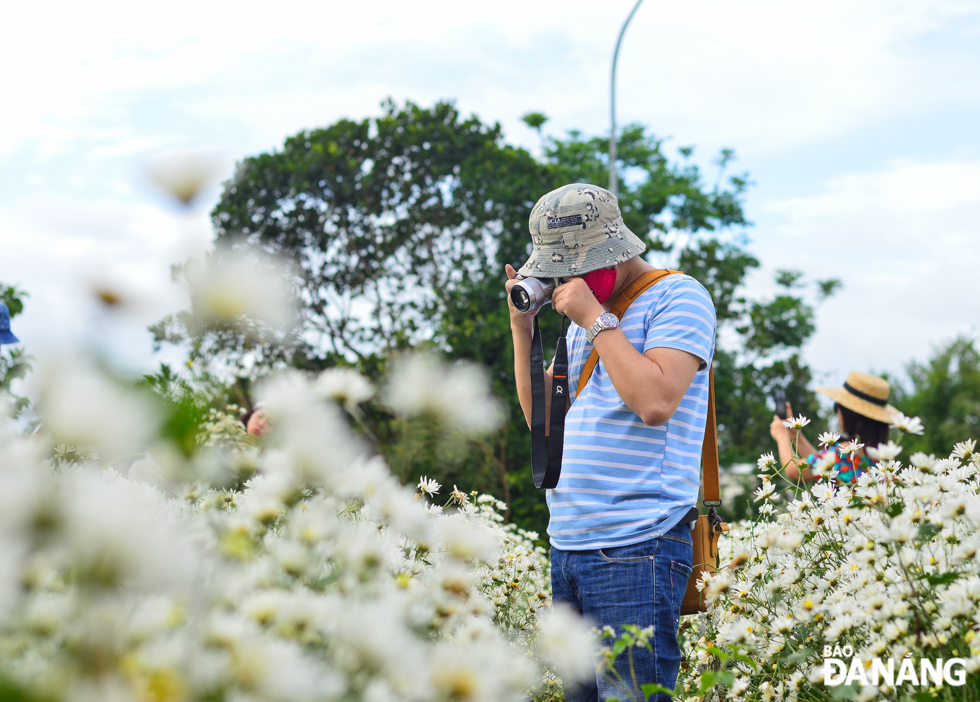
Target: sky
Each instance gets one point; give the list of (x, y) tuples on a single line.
[(856, 122)]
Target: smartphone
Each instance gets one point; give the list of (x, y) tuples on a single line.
[(779, 396)]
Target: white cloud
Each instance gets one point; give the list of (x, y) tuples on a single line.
[(94, 87), (904, 188), (906, 242), (759, 74)]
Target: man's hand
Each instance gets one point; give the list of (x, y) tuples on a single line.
[(575, 300), (517, 318), (521, 325)]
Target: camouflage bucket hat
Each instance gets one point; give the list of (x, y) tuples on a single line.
[(576, 229)]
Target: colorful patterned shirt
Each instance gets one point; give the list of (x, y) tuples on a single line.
[(849, 466), (622, 481)]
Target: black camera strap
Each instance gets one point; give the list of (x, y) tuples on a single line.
[(546, 455)]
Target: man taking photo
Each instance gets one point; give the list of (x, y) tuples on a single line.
[(621, 553)]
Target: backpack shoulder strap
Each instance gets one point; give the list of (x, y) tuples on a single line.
[(709, 449), (619, 307)]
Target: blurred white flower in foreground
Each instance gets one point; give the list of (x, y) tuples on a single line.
[(565, 640), (84, 407), (184, 173), (111, 539), (236, 285), (315, 444), (345, 385), (884, 452), (466, 539), (459, 394)]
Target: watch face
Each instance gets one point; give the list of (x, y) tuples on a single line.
[(609, 319)]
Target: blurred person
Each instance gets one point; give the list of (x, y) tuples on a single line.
[(863, 415), (257, 422), (621, 551), (6, 336)]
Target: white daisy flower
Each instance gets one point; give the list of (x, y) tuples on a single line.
[(828, 438), (428, 486), (910, 425), (796, 422), (964, 450), (765, 491)]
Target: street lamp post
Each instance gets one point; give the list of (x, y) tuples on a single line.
[(613, 180)]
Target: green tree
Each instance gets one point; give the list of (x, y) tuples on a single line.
[(945, 393), (394, 224), (400, 226), (388, 220)]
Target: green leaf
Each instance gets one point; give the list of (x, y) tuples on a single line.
[(715, 651), (942, 579), (651, 689), (927, 531), (707, 681), (724, 677), (894, 509), (798, 656)]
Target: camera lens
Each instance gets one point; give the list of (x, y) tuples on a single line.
[(520, 298)]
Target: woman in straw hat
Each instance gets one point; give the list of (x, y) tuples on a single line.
[(864, 417)]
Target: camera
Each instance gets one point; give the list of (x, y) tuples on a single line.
[(531, 294), (779, 397)]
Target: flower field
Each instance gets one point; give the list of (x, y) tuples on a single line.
[(302, 569), (885, 570), (318, 578)]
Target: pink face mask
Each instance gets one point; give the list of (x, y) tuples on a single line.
[(601, 282)]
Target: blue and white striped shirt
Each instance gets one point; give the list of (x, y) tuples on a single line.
[(622, 481)]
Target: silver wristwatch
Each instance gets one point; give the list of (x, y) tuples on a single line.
[(607, 320)]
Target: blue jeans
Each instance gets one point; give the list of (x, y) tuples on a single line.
[(640, 584)]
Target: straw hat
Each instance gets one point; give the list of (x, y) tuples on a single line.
[(865, 394)]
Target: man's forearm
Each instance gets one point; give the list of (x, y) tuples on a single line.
[(638, 380)]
